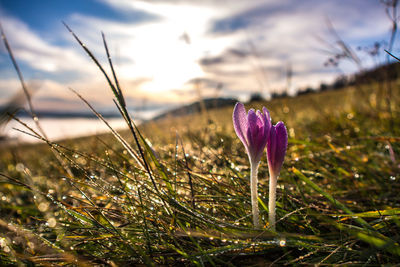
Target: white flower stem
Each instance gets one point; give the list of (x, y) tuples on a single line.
[(254, 193), (272, 200)]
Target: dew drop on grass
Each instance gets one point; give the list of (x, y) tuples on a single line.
[(350, 116), (282, 242), (286, 109), (43, 206), (19, 167)]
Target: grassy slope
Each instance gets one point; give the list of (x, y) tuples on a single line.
[(107, 209)]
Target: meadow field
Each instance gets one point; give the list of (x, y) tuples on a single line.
[(176, 191)]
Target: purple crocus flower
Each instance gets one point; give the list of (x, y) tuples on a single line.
[(276, 150), (253, 130)]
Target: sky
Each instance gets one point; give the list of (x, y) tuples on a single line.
[(171, 52)]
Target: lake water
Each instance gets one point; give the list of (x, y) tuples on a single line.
[(61, 128)]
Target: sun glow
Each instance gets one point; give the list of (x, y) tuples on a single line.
[(167, 51)]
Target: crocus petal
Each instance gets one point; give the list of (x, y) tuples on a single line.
[(271, 147), (267, 123), (252, 133), (281, 142), (267, 117), (240, 123), (276, 147)]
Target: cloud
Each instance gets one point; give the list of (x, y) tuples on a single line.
[(39, 54), (244, 45)]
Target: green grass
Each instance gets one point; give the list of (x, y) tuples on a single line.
[(338, 200), (184, 199)]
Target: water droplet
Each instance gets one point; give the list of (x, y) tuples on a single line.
[(356, 176), (282, 242), (393, 178), (19, 167), (350, 116), (286, 109), (43, 206)]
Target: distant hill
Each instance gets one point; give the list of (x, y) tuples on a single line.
[(209, 103)]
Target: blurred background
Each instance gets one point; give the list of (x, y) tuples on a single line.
[(169, 53)]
